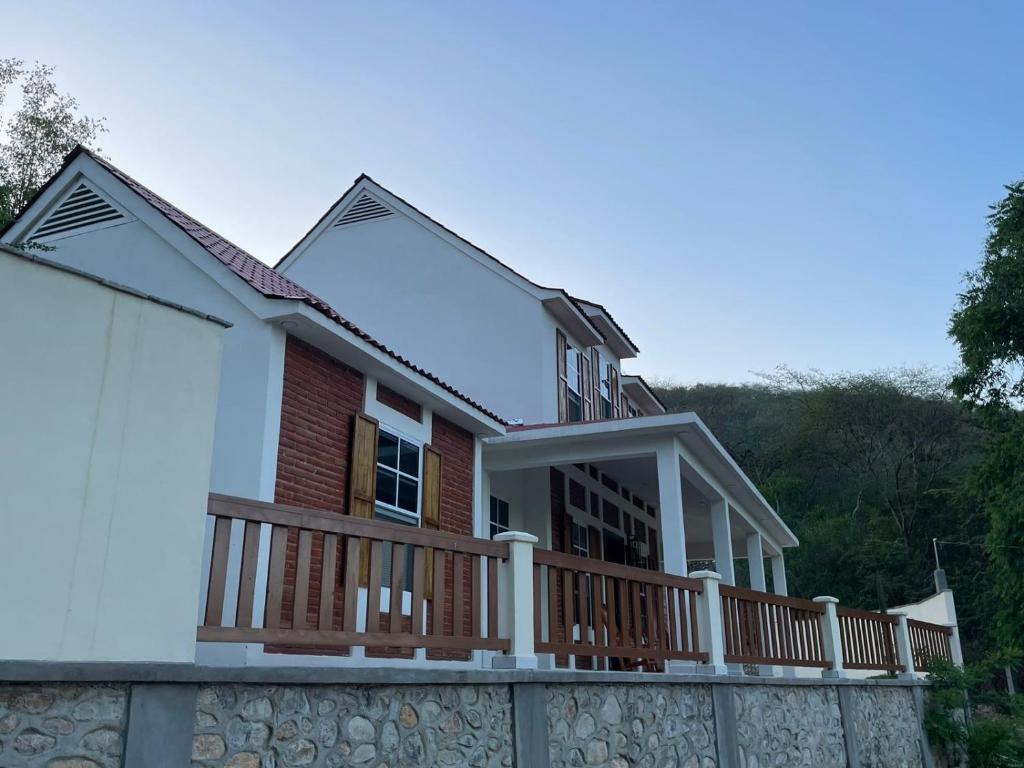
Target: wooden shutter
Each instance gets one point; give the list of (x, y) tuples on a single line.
[(613, 376), (362, 481), (430, 511), (595, 543), (588, 388), (563, 383), (595, 364)]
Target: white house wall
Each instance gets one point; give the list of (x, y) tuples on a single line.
[(107, 410), (433, 303), (248, 413)]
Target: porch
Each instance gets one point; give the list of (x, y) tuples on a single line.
[(509, 604)]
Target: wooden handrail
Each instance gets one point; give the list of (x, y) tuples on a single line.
[(860, 613), (615, 570), (763, 628), (741, 593), (376, 530)]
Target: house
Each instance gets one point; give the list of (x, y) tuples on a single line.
[(421, 456)]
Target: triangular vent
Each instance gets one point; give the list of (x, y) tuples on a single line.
[(82, 208), (365, 208)]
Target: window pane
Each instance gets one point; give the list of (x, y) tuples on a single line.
[(575, 407), (409, 459), (387, 450), (407, 494), (386, 486)]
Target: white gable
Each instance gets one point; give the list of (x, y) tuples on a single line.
[(364, 208)]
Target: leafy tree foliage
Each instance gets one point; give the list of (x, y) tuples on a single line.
[(44, 127), (867, 469), (988, 327)]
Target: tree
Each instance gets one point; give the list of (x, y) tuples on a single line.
[(988, 327), (39, 134)]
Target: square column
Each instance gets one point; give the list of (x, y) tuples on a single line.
[(721, 535), (670, 500), (779, 574), (755, 562)]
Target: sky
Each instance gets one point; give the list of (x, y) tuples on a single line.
[(742, 184)]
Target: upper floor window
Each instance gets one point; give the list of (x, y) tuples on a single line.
[(605, 372), (574, 383), (398, 477), (580, 540), (499, 516)]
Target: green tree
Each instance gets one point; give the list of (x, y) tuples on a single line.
[(988, 327), (40, 132)]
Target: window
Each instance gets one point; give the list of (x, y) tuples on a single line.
[(574, 399), (580, 540), (499, 516), (398, 478), (606, 387)]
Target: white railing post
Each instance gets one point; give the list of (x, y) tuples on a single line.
[(519, 601), (831, 638), (710, 629), (906, 649), (955, 649)]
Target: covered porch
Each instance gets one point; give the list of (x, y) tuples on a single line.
[(655, 492)]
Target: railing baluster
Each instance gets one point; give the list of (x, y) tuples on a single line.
[(247, 576), (373, 591), (328, 582), (300, 603), (218, 572), (419, 588), (275, 577)]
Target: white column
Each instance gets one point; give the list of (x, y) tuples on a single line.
[(710, 627), (519, 605), (906, 650), (721, 535), (755, 562), (670, 499), (831, 638), (779, 574)]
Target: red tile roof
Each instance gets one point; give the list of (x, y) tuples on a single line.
[(263, 278)]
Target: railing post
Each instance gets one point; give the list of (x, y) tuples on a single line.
[(955, 649), (906, 649), (710, 630), (519, 601), (831, 636)]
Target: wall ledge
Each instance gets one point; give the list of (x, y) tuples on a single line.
[(143, 672)]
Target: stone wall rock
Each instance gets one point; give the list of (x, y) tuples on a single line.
[(631, 725), (62, 725), (328, 726), (886, 728), (789, 726)]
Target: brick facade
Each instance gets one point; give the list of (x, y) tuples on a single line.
[(400, 403)]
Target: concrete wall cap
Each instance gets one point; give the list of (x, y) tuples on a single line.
[(714, 575), (529, 538), (825, 599)]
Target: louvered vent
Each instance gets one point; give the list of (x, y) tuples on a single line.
[(364, 209), (82, 208)]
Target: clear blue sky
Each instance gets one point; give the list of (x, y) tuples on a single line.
[(742, 184)]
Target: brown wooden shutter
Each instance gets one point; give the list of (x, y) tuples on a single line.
[(563, 383), (595, 543), (595, 364), (430, 511), (362, 481), (613, 376), (588, 388)]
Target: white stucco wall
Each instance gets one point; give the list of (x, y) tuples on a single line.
[(436, 305), (107, 408)]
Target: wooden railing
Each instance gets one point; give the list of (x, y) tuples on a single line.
[(869, 640), (325, 584), (618, 616), (929, 641), (762, 628)]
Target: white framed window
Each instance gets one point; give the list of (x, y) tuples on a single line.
[(574, 398), (580, 540), (499, 516), (605, 373), (399, 468)]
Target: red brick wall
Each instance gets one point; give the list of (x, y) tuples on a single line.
[(399, 403), (320, 398)]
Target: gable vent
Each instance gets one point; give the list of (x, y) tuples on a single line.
[(364, 209), (82, 208)]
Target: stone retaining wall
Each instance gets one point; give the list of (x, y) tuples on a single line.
[(313, 718)]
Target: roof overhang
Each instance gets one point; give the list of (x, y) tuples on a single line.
[(615, 338), (571, 319), (302, 321), (715, 469), (640, 393)]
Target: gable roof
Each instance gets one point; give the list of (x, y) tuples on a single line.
[(571, 300), (264, 279)]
